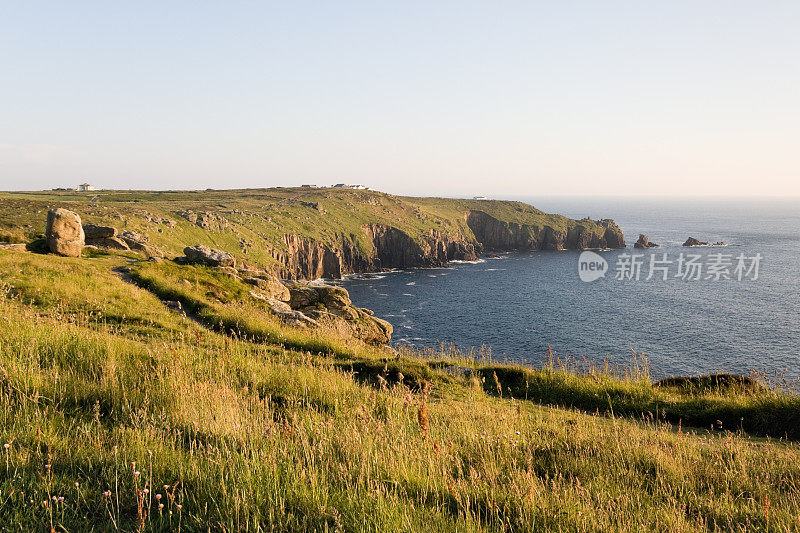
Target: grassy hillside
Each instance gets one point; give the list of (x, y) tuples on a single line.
[(142, 419), (249, 222)]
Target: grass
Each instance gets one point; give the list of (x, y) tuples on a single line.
[(253, 431), (257, 219)]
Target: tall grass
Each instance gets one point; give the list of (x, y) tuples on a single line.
[(192, 429)]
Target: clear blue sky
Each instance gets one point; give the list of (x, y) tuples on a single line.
[(435, 97)]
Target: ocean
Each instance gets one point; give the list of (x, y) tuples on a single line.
[(738, 311)]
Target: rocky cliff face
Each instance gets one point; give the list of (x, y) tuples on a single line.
[(397, 249), (393, 248), (500, 236), (308, 259)]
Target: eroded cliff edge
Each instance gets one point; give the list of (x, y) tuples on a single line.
[(391, 247), (309, 233)]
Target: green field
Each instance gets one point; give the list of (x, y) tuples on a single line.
[(119, 413), (252, 223)]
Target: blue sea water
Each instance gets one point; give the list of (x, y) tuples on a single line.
[(521, 303)]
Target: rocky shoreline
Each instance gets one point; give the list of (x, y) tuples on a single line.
[(304, 258), (393, 248)]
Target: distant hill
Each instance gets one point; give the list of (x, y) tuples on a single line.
[(311, 233)]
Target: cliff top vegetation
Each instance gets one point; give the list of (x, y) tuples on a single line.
[(118, 412), (252, 223)]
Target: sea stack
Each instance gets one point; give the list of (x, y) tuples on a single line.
[(644, 242)]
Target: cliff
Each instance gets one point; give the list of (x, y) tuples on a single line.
[(498, 235), (302, 233)]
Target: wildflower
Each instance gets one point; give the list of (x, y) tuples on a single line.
[(107, 494), (179, 507), (160, 506), (60, 499), (7, 445), (166, 487), (422, 419), (77, 484), (135, 473), (158, 496), (146, 491)]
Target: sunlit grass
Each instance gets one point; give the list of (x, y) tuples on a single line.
[(169, 424)]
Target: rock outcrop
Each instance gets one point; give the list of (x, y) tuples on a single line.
[(201, 254), (104, 237), (64, 233), (206, 220), (268, 284), (14, 246), (500, 236), (644, 242), (138, 242), (691, 241), (309, 259), (392, 247), (323, 305)]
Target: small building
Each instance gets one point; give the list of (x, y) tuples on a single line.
[(310, 186), (83, 187), (479, 198)]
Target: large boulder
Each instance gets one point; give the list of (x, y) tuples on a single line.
[(95, 232), (104, 237), (64, 233), (201, 254), (269, 285), (309, 293)]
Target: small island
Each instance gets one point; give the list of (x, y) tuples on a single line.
[(691, 241)]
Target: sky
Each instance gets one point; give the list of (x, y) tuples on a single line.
[(494, 98)]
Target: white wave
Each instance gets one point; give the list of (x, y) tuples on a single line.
[(407, 294), (460, 261), (363, 276), (411, 283)]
